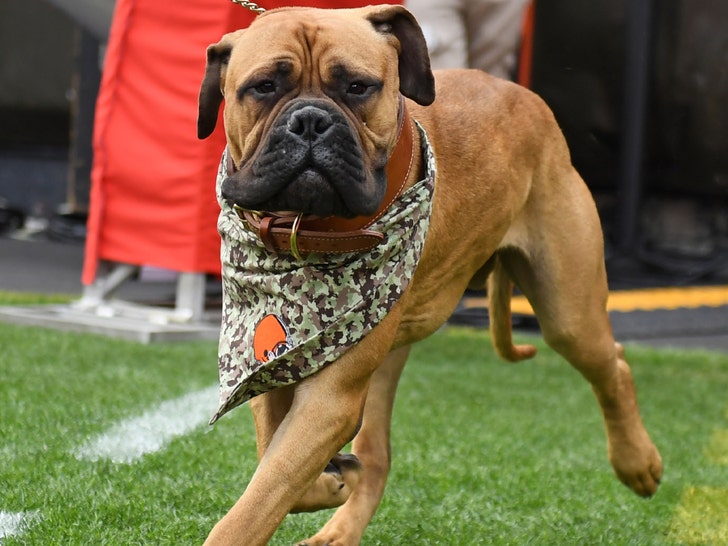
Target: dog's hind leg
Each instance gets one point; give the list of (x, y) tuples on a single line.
[(558, 263), (372, 447)]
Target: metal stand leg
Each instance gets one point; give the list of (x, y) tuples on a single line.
[(190, 297), (104, 286)]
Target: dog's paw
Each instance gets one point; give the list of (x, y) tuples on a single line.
[(638, 466), (333, 487), (634, 457), (331, 537), (314, 542)]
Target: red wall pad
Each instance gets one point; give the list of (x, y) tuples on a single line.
[(152, 182)]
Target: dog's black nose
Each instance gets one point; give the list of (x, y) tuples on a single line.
[(309, 123)]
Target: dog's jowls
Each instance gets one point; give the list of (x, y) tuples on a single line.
[(312, 112)]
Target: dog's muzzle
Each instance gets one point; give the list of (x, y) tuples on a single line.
[(298, 234), (311, 161)]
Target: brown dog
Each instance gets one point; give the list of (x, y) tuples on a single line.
[(313, 116)]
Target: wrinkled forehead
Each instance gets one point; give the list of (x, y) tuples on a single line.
[(324, 40)]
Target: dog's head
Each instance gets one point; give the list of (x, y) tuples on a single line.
[(312, 99)]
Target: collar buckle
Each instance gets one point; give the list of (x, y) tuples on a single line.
[(294, 237)]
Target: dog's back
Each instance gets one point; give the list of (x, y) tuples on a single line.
[(495, 142)]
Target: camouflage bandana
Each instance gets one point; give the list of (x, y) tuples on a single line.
[(283, 319)]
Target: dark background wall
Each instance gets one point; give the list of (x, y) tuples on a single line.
[(581, 56), (36, 62), (36, 65), (49, 51), (579, 65)]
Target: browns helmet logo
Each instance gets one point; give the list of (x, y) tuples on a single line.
[(271, 339)]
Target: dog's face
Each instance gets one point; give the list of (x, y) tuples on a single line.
[(311, 105)]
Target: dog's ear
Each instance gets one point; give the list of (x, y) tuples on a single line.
[(415, 75), (211, 95)]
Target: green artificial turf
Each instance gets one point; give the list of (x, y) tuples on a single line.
[(484, 452), (28, 298)]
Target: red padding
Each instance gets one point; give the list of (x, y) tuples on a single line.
[(153, 183)]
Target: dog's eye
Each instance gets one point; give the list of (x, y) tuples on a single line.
[(265, 87), (357, 88)]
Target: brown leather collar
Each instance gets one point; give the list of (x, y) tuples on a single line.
[(299, 234)]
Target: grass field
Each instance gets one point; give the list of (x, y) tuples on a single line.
[(484, 452)]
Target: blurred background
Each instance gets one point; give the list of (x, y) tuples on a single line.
[(639, 88)]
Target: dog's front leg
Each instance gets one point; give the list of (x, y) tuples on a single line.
[(269, 410), (333, 486), (358, 479), (323, 417), (325, 410), (372, 447)]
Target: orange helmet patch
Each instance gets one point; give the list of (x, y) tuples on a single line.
[(270, 339)]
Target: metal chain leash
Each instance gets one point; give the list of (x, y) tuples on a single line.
[(252, 6)]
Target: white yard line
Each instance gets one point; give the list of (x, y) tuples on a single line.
[(14, 523), (128, 440)]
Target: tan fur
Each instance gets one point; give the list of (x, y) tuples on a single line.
[(506, 197)]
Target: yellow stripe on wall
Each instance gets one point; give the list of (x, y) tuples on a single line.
[(668, 298), (648, 299)]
